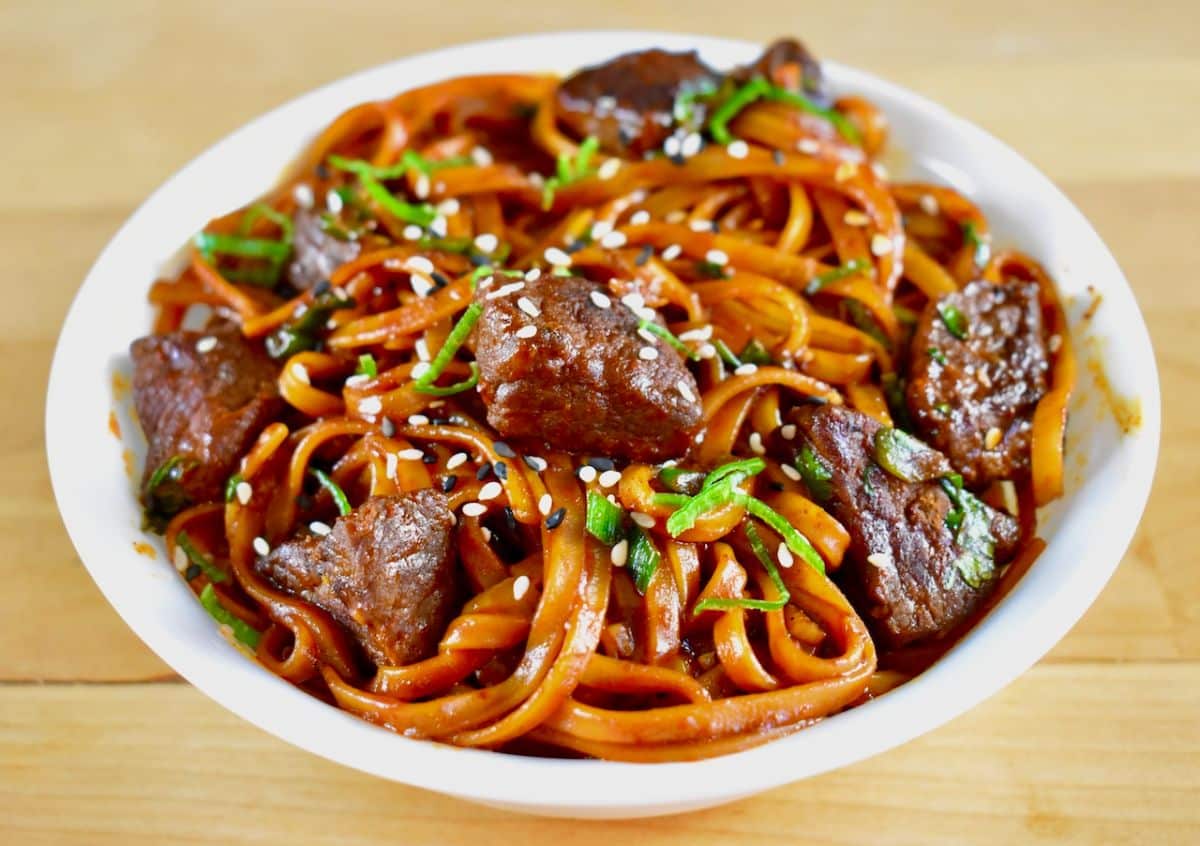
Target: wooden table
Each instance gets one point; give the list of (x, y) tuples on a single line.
[(101, 743)]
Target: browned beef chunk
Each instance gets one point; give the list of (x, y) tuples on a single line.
[(203, 396), (776, 65), (315, 253), (627, 101), (909, 571), (977, 406), (385, 572), (579, 384)]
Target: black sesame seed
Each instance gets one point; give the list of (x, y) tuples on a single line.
[(322, 287), (555, 519), (439, 281), (601, 464), (479, 259), (778, 157), (576, 245), (192, 572), (483, 472), (624, 136), (644, 255), (501, 470), (716, 227), (448, 483), (775, 486), (322, 171), (510, 519), (429, 458), (504, 449), (677, 159), (387, 427), (815, 400)]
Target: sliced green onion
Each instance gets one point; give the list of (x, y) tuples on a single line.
[(795, 541), (982, 250), (456, 338), (764, 557), (726, 354), (422, 214), (863, 318), (743, 467), (756, 353), (231, 485), (841, 123), (953, 486), (235, 245), (943, 408), (905, 315), (840, 272), (937, 355), (971, 522), (409, 160), (954, 319), (164, 495), (367, 366), (711, 270), (301, 333), (241, 630), (708, 499), (165, 470), (759, 88), (214, 573), (683, 109), (815, 473), (678, 500), (906, 457), (335, 491), (893, 392), (486, 270), (583, 158), (450, 390), (604, 519), (643, 558), (667, 335), (568, 171), (263, 210), (681, 480)]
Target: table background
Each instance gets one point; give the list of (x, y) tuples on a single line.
[(101, 743)]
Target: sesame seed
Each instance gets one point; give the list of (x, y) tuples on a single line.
[(702, 333), (482, 156), (643, 520), (356, 380), (929, 205), (421, 187), (648, 353), (639, 217), (790, 471), (419, 264), (756, 444), (691, 144), (855, 218), (420, 284), (371, 405), (557, 257), (520, 586), (601, 228), (634, 300), (387, 427), (646, 335), (609, 478), (808, 146), (504, 449), (501, 470), (879, 559), (700, 225), (745, 370), (545, 505), (717, 257), (672, 252), (1008, 491), (555, 519), (244, 492), (738, 149), (303, 195), (301, 373), (391, 465), (490, 491), (420, 369), (486, 532), (536, 463), (599, 300), (533, 275), (845, 171), (526, 332), (180, 559), (206, 344), (448, 483), (410, 454), (609, 169), (787, 431), (487, 242), (527, 305), (992, 439), (881, 244), (412, 232), (685, 390), (319, 528), (261, 546), (672, 145), (613, 240), (333, 201), (439, 226), (707, 351), (984, 379), (418, 420), (620, 552), (474, 509), (785, 556), (505, 290), (449, 207), (587, 473)]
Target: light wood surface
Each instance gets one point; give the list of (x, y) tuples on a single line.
[(101, 743)]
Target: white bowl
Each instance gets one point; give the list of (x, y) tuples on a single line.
[(1109, 472)]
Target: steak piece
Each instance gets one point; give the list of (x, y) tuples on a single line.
[(913, 576), (315, 253), (385, 572), (973, 397), (776, 65)]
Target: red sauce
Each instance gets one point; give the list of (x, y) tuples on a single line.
[(114, 425), (143, 548)]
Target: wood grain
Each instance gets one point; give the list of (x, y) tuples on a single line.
[(100, 742)]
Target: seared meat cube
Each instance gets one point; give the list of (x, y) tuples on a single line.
[(916, 577), (315, 253), (386, 572), (973, 397), (204, 397), (627, 102), (584, 381)]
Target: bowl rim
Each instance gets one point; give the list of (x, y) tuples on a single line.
[(907, 712)]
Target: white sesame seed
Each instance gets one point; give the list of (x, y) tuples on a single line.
[(300, 372), (643, 520), (855, 218), (439, 226), (648, 353), (303, 195), (639, 217), (790, 471), (421, 285), (474, 509), (486, 532), (609, 169), (391, 465), (410, 454), (691, 144), (620, 553), (526, 332), (707, 351), (992, 439), (244, 492), (672, 145), (756, 444), (370, 405), (319, 528), (482, 156), (1008, 491), (609, 478), (646, 313), (746, 370), (672, 252), (520, 586), (456, 460), (599, 300), (880, 170), (634, 300), (529, 307), (613, 240), (418, 420), (685, 390), (537, 463), (421, 187), (702, 333), (929, 205), (879, 559), (601, 228), (700, 225), (545, 505), (788, 431), (505, 290), (785, 556), (983, 378), (179, 559), (487, 242), (533, 274), (881, 244), (717, 257), (420, 369), (412, 232), (333, 201), (845, 171), (206, 344), (490, 491), (449, 207), (738, 149), (587, 473), (557, 257), (646, 335), (261, 546), (419, 264), (808, 146)]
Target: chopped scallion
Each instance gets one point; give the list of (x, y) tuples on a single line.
[(241, 630), (906, 457), (199, 559), (643, 558), (603, 520), (759, 88), (367, 366), (457, 337), (760, 552), (231, 485), (840, 272), (335, 491), (667, 335), (815, 473), (982, 251), (955, 320)]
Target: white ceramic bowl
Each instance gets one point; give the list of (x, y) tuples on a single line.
[(1109, 473)]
